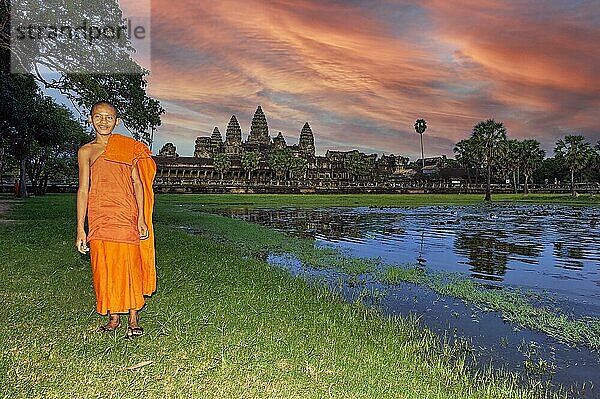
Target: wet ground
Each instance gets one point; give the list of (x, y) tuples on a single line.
[(554, 250)]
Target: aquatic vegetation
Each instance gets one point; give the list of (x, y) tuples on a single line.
[(517, 306)]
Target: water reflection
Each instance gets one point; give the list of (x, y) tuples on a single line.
[(554, 248), (488, 254)]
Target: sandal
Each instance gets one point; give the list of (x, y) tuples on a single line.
[(108, 327), (134, 332)]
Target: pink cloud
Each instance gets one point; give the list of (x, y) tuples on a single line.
[(362, 73)]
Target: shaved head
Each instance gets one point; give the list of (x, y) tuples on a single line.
[(107, 103)]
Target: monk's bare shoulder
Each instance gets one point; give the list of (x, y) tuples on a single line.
[(84, 151), (89, 152)]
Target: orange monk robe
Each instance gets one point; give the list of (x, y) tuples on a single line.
[(123, 265)]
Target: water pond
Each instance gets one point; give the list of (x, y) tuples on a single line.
[(553, 250)]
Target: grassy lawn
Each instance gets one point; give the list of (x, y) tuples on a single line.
[(223, 323), (523, 308)]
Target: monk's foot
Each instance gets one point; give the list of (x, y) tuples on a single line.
[(134, 330), (114, 322)]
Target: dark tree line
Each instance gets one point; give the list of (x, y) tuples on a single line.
[(39, 136), (490, 153)]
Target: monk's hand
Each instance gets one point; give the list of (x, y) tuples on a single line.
[(143, 229), (81, 243)]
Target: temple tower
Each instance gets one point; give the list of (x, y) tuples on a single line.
[(233, 137), (307, 142), (168, 150), (216, 141), (259, 131), (279, 142)]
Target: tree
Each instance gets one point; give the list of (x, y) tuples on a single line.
[(222, 163), (488, 137), (532, 157), (88, 71), (35, 130), (354, 164), (513, 159), (250, 162), (574, 153), (468, 157), (280, 161), (55, 154), (19, 117), (550, 170), (420, 127), (298, 166)]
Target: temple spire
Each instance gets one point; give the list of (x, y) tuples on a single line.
[(259, 131)]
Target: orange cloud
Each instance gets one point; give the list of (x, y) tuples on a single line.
[(361, 73)]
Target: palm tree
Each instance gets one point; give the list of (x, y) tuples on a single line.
[(420, 127), (532, 158), (250, 162), (488, 137), (467, 157), (574, 153), (512, 160)]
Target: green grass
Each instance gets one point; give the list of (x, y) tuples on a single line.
[(520, 307), (222, 324), (515, 306)]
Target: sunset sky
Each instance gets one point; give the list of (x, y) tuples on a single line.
[(362, 72)]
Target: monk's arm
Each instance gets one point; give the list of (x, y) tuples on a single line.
[(83, 160), (138, 189)]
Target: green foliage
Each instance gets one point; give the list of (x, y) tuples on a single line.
[(574, 153), (298, 166), (420, 126), (40, 134), (469, 157), (358, 165), (280, 161), (488, 138), (532, 157), (549, 170), (222, 163), (512, 159), (140, 113), (250, 161)]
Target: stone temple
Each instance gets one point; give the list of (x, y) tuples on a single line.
[(259, 141), (269, 164)]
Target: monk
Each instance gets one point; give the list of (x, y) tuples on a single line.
[(115, 191)]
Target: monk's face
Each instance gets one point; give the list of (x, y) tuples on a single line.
[(104, 119)]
